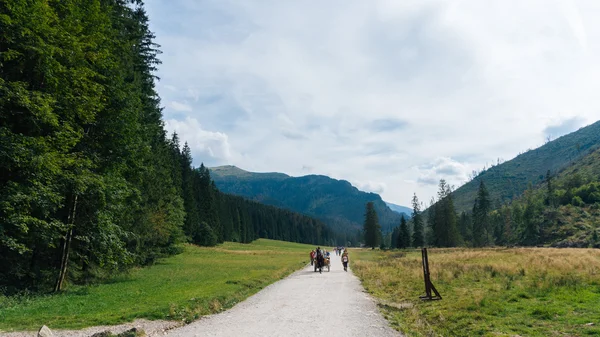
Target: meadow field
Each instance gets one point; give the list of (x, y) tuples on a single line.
[(487, 292), (198, 282)]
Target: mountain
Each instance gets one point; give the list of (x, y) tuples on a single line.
[(335, 202), (510, 179), (561, 212), (400, 209)]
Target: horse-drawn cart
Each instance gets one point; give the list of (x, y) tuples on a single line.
[(323, 263)]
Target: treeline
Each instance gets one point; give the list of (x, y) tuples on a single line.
[(90, 184), (213, 217), (532, 219)]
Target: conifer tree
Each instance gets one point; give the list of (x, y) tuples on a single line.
[(481, 218), (418, 235), (403, 235), (444, 225), (465, 227), (394, 238), (531, 229), (372, 229)]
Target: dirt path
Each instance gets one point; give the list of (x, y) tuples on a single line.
[(305, 303)]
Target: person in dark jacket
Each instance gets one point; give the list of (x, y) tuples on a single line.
[(345, 260)]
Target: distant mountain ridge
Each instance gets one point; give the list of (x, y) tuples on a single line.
[(510, 179), (407, 211), (335, 202)]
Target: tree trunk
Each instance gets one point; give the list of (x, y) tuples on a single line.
[(66, 247)]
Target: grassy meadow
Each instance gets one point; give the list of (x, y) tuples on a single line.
[(487, 292), (197, 282)]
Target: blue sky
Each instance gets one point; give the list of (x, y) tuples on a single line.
[(389, 95)]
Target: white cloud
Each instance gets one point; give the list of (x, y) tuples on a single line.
[(454, 172), (207, 146), (563, 127), (181, 107), (370, 186), (307, 83)]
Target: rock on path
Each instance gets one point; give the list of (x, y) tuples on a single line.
[(305, 303)]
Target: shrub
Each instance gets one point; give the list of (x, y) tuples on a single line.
[(594, 197), (207, 236), (576, 201)]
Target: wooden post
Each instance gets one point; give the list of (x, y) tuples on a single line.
[(66, 247), (426, 277)]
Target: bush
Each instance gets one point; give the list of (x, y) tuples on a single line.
[(594, 197), (576, 201), (207, 236)]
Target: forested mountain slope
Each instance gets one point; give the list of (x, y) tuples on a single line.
[(510, 179), (336, 202), (562, 211)]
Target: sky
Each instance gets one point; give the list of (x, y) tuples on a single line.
[(390, 95)]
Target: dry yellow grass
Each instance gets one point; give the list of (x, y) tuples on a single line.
[(491, 292)]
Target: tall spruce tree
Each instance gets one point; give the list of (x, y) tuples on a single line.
[(418, 235), (372, 229), (444, 227), (394, 237), (465, 227), (531, 223), (403, 240), (430, 233), (481, 217)]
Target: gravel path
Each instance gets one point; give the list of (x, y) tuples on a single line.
[(305, 303)]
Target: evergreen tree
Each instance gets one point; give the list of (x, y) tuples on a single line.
[(481, 220), (394, 238), (372, 229), (465, 227), (403, 240), (508, 224), (497, 221), (431, 223), (550, 200), (531, 229), (444, 218), (418, 227)]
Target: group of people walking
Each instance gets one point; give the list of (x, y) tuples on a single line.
[(319, 255)]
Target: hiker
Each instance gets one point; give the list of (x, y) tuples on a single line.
[(312, 257), (345, 260)]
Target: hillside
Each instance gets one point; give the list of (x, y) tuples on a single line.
[(335, 202), (510, 179), (577, 197)]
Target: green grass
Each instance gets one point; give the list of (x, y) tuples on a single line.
[(487, 292), (197, 282)]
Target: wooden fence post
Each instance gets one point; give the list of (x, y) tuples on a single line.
[(426, 277)]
